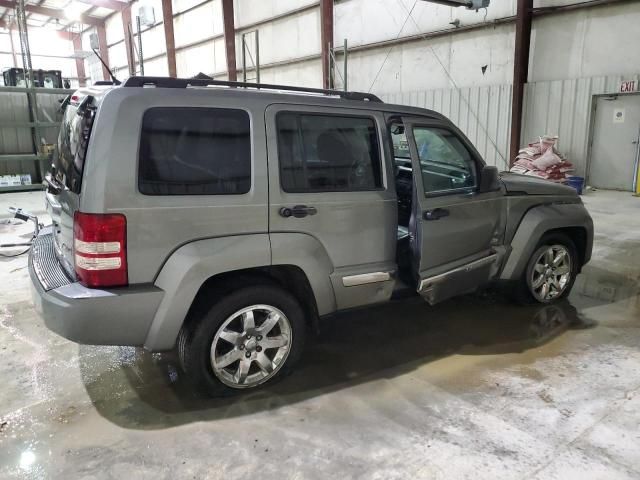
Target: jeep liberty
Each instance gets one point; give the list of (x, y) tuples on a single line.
[(227, 219)]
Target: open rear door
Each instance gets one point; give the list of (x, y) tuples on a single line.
[(453, 226)]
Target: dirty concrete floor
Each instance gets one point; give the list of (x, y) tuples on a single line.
[(473, 388)]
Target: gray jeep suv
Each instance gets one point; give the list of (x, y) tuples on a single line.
[(226, 219)]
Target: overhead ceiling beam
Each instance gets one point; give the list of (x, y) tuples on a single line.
[(40, 2), (115, 5), (170, 41), (53, 12), (48, 21)]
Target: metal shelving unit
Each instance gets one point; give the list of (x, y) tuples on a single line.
[(34, 129), (22, 188), (35, 110)]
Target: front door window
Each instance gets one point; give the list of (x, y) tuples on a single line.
[(445, 163)]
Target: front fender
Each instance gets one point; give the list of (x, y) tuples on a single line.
[(188, 268), (535, 223)]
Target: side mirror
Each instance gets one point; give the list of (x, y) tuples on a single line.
[(489, 179)]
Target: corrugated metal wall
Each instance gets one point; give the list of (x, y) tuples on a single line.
[(13, 108), (482, 113), (563, 108), (17, 140)]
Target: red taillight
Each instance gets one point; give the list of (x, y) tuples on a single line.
[(100, 246)]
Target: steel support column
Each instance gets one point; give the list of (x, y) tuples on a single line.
[(167, 17), (104, 50), (126, 27), (229, 38), (326, 40), (520, 72), (77, 48)]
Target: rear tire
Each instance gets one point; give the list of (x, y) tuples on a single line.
[(249, 338), (550, 272)]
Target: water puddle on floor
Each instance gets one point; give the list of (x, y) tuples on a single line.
[(357, 347)]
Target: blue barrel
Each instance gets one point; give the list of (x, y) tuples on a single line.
[(576, 182)]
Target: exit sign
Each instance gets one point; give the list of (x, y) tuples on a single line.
[(630, 86)]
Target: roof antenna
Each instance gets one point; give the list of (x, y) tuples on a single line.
[(95, 44)]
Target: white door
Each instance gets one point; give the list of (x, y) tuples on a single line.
[(615, 136)]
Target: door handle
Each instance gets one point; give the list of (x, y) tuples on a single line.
[(435, 214), (299, 211)]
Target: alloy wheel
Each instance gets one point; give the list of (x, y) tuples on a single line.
[(251, 346), (551, 273)]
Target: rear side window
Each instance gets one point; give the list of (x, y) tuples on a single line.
[(327, 153), (195, 151), (73, 140)]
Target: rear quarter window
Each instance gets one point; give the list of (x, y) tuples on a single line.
[(195, 151), (73, 141)]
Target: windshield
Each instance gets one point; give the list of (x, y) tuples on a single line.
[(73, 139)]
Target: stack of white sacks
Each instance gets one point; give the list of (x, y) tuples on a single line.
[(541, 159)]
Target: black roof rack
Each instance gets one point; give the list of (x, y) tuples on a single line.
[(168, 82)]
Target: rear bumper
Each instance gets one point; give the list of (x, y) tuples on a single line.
[(119, 316)]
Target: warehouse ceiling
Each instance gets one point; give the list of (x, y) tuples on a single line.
[(60, 14)]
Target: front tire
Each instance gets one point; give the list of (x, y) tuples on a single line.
[(550, 272), (249, 338)]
